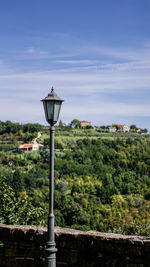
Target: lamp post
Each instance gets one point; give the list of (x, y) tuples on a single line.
[(52, 104)]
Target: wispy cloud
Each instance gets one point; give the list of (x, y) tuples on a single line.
[(79, 61), (35, 52), (30, 50), (92, 88)]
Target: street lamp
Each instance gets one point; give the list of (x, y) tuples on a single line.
[(52, 104)]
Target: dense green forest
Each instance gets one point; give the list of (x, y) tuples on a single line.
[(102, 180)]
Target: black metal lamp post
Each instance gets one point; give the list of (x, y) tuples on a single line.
[(52, 104)]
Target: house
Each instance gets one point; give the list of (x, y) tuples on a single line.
[(29, 147), (138, 130), (121, 127), (85, 123), (125, 128), (112, 129)]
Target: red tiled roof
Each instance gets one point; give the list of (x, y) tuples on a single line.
[(119, 125), (26, 145)]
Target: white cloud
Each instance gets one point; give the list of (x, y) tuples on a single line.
[(80, 61), (30, 51)]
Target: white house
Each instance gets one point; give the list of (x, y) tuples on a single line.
[(125, 128), (119, 127), (112, 129), (29, 147)]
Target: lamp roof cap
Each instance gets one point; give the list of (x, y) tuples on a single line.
[(52, 96)]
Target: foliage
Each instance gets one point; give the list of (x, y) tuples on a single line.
[(75, 124), (133, 126), (102, 180), (17, 209)]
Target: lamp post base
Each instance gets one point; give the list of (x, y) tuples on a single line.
[(50, 252)]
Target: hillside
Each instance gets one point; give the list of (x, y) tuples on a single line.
[(102, 180)]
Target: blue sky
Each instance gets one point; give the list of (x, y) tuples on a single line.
[(96, 54)]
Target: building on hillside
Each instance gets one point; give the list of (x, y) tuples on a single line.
[(125, 128), (112, 129), (85, 123), (137, 130), (29, 147), (133, 130), (120, 127)]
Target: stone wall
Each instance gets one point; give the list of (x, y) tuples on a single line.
[(22, 246)]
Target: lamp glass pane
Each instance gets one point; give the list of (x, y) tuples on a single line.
[(57, 106), (50, 109), (44, 104)]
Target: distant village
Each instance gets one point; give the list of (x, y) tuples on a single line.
[(110, 128), (30, 147)]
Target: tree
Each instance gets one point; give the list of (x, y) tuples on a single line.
[(144, 130), (116, 126), (75, 124), (18, 184), (60, 124), (133, 127), (17, 209)]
